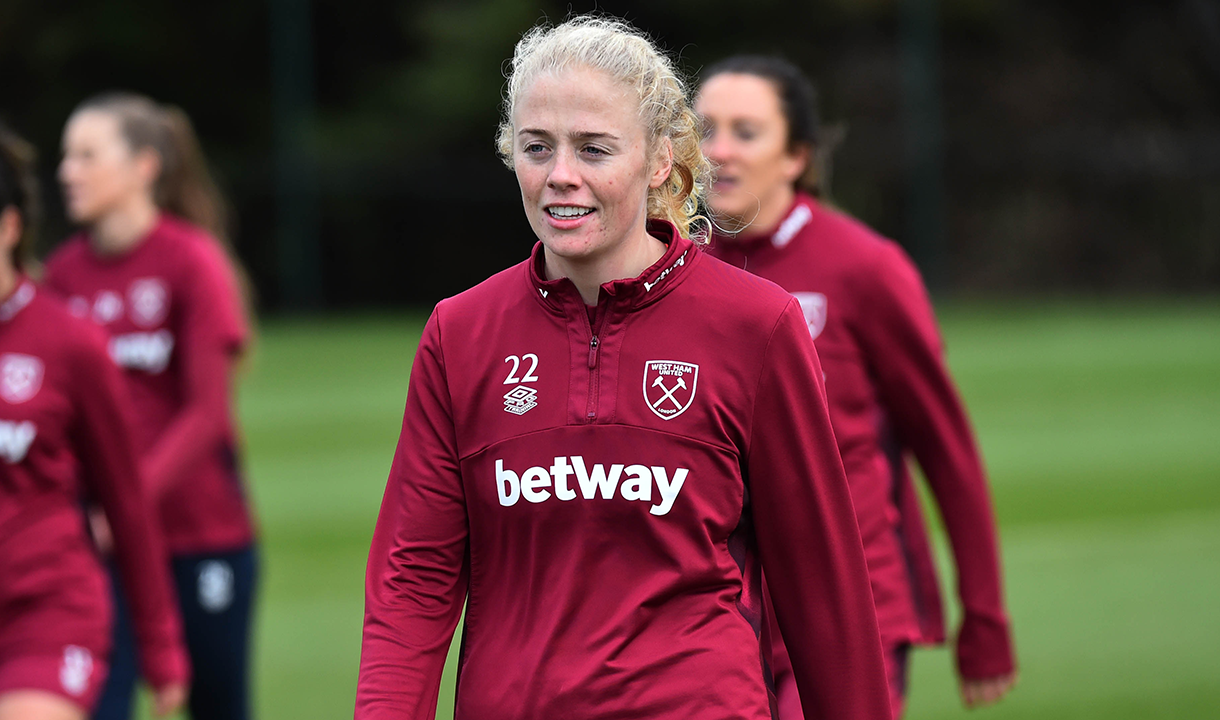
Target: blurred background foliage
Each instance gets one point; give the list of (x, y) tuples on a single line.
[(1011, 146)]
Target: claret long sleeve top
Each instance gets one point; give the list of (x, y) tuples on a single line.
[(604, 493), (173, 313), (891, 398), (64, 433)]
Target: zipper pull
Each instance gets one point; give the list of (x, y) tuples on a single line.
[(593, 343)]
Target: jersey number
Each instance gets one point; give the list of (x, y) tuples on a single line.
[(529, 374)]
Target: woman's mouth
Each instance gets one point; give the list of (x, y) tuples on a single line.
[(568, 212), (567, 217)]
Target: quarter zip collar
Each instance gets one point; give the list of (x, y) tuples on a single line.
[(798, 218), (594, 343), (627, 294), (17, 300)]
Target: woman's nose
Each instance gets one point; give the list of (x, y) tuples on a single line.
[(563, 173), (717, 147)]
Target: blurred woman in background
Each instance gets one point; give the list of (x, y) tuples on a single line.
[(151, 268), (889, 391), (584, 464), (64, 435)]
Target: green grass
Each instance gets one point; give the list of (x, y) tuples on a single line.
[(321, 407), (1100, 423)]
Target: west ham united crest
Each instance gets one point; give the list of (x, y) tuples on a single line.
[(20, 377), (669, 387), (813, 305), (148, 299)]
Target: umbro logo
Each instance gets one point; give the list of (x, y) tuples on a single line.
[(520, 400)]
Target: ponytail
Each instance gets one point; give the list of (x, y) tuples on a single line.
[(185, 186), (19, 190)]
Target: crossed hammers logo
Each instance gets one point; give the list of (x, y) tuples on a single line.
[(669, 392)]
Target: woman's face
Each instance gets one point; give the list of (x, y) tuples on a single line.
[(746, 138), (580, 151), (99, 173)]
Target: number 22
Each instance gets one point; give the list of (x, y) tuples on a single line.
[(529, 374)]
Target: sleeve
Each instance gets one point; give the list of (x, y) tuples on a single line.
[(112, 475), (808, 539), (417, 571), (211, 331), (903, 344)]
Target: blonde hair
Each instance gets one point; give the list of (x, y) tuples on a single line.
[(625, 54)]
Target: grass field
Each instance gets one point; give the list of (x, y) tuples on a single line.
[(1100, 423)]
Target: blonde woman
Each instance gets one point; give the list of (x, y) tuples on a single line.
[(606, 445)]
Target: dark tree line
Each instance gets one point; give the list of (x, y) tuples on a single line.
[(1071, 145)]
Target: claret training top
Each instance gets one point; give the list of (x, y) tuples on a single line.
[(172, 309), (891, 396), (604, 494), (64, 434)]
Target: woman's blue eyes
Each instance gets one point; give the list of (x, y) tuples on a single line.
[(538, 148)]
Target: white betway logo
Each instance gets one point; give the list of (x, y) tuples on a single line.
[(15, 439), (533, 483), (142, 351)]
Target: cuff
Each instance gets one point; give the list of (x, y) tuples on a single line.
[(165, 665), (984, 648)]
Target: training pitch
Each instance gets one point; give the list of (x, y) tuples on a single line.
[(1100, 425)]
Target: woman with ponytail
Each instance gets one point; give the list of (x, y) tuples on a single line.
[(152, 267), (64, 435), (605, 445)]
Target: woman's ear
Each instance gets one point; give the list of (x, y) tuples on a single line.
[(10, 230), (663, 164), (148, 165), (796, 161)]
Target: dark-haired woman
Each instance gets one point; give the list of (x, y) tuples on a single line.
[(889, 391), (150, 269), (63, 435)]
